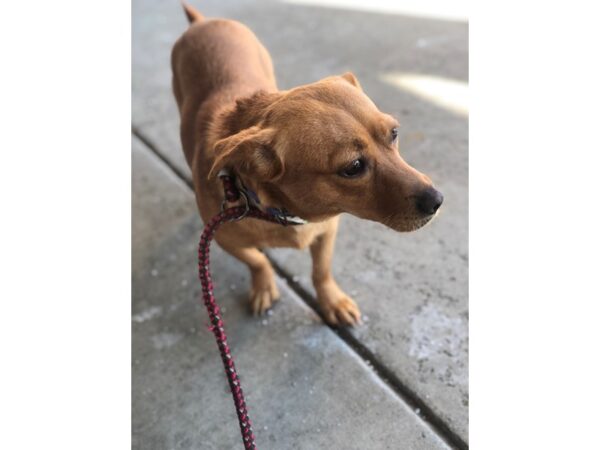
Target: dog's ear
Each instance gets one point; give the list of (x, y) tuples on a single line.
[(350, 78), (250, 153)]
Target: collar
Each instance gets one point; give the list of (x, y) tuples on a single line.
[(235, 189)]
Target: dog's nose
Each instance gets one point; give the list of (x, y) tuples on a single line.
[(429, 201)]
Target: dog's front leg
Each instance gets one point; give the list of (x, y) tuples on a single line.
[(336, 306), (264, 291)]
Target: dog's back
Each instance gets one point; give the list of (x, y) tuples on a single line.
[(214, 62), (219, 53)]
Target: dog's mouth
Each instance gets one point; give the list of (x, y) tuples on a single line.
[(407, 224)]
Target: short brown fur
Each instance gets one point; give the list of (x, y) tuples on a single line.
[(289, 147)]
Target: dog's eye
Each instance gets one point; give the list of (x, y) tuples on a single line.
[(354, 169), (394, 134)]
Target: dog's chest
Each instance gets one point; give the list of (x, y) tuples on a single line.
[(293, 236)]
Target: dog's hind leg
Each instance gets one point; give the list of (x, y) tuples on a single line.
[(264, 291)]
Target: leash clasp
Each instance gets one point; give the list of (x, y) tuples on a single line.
[(233, 193)]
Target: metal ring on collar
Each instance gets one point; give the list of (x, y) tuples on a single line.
[(246, 204)]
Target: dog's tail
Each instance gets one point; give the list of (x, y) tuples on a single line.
[(192, 13)]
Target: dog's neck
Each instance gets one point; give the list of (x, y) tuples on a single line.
[(245, 113), (251, 198)]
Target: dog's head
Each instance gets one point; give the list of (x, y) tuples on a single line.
[(322, 149)]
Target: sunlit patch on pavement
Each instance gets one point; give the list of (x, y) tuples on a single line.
[(443, 92), (430, 9)]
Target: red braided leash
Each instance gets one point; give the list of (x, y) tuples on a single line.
[(214, 313)]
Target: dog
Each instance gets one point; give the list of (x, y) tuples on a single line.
[(315, 151)]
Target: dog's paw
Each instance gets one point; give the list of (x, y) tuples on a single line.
[(263, 294), (342, 311)]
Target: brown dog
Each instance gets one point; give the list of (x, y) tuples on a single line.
[(317, 150)]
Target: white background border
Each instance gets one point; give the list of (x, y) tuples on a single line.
[(534, 297), (65, 250)]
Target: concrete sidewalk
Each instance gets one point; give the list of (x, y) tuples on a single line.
[(308, 387)]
